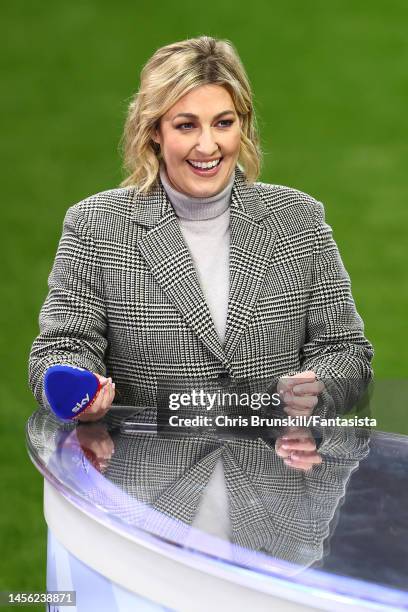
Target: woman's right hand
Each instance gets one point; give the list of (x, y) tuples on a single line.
[(97, 445), (102, 403)]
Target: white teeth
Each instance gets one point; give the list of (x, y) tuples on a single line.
[(211, 164)]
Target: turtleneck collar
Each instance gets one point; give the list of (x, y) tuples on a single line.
[(197, 209)]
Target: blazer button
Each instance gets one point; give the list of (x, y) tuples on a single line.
[(223, 378), (223, 375)]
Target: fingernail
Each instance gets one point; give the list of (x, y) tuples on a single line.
[(103, 379), (113, 385), (285, 446)]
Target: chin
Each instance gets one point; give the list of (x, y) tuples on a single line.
[(201, 190), (204, 192)]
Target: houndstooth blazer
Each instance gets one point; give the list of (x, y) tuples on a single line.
[(125, 301)]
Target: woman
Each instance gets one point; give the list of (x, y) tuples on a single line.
[(192, 268)]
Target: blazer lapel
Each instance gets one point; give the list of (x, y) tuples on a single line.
[(252, 239), (170, 262)]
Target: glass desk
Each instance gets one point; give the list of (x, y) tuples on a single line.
[(200, 523)]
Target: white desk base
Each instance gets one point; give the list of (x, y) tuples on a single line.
[(158, 576)]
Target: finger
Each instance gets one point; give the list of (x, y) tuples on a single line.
[(302, 377), (283, 385), (310, 388), (108, 396), (286, 383), (280, 451), (293, 437), (91, 416), (300, 401), (106, 446), (300, 445), (102, 379), (109, 448), (283, 454), (96, 410), (96, 406), (293, 412), (112, 393), (305, 455), (87, 416), (306, 376), (105, 397), (303, 401), (304, 461)]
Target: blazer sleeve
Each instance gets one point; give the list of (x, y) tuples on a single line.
[(335, 346), (72, 320)]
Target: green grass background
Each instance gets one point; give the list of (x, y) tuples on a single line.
[(330, 81)]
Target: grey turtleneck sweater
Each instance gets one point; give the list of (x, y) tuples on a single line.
[(204, 224)]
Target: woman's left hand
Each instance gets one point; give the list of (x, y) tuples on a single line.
[(297, 448), (300, 393)]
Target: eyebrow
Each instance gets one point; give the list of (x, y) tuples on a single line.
[(192, 116)]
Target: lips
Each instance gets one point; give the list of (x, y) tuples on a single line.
[(206, 161), (205, 172)]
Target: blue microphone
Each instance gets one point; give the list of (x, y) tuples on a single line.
[(70, 390)]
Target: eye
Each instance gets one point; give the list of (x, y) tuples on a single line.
[(182, 125), (187, 126)]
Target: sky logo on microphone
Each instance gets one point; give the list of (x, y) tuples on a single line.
[(79, 405)]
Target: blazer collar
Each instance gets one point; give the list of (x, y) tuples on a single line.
[(149, 208), (165, 252)]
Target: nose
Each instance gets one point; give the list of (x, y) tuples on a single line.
[(206, 143)]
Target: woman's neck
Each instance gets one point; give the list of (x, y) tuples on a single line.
[(193, 208)]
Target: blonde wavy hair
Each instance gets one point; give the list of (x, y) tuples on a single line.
[(169, 74)]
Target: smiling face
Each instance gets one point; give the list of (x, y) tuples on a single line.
[(201, 129)]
